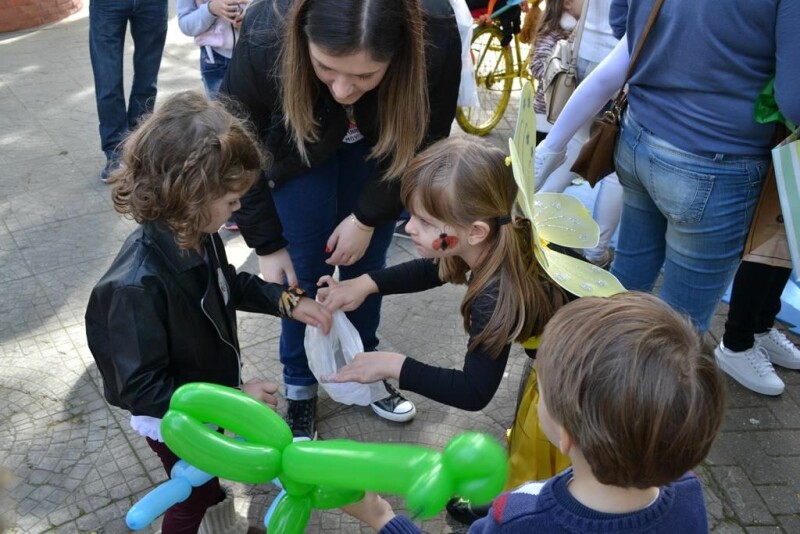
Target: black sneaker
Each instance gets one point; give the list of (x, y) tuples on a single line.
[(300, 416), (464, 512), (400, 230), (395, 407)]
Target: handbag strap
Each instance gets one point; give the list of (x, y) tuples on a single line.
[(622, 97), (576, 43)]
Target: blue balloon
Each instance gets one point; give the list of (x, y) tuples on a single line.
[(184, 477), (157, 502)]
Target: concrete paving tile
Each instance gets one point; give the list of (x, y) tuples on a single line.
[(790, 523), (742, 496), (749, 419), (728, 528), (781, 500), (57, 245), (780, 443)]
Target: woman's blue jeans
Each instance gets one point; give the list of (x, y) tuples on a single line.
[(686, 212), (310, 206), (108, 21)]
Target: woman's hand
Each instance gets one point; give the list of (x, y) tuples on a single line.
[(372, 510), (348, 242), (262, 391), (369, 367), (312, 313), (347, 295), (277, 267)]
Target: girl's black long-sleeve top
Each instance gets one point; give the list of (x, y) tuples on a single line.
[(472, 386)]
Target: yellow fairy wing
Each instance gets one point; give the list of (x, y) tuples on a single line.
[(579, 277), (564, 220), (525, 194), (525, 134)]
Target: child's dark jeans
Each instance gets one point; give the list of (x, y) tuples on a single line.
[(185, 517)]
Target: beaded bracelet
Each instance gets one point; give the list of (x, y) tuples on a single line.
[(359, 225)]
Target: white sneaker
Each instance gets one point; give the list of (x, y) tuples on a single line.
[(751, 368), (545, 163), (780, 350)]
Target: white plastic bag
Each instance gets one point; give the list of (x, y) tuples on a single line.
[(468, 88), (326, 354)]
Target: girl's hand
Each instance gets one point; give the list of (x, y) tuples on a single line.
[(369, 367), (312, 313), (262, 391), (348, 242), (227, 9), (347, 295), (372, 510), (277, 267)]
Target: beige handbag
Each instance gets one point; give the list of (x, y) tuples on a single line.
[(561, 71)]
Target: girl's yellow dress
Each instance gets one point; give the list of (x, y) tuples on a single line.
[(531, 456)]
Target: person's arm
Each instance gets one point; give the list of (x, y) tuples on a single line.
[(193, 19), (541, 51), (618, 17), (587, 100), (252, 294), (473, 386), (787, 59), (409, 277), (139, 348), (252, 88)]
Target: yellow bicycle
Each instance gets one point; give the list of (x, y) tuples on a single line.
[(496, 68)]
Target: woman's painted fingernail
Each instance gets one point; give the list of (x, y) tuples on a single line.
[(328, 250)]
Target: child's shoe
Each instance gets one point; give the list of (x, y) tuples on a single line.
[(780, 350), (751, 368), (395, 407), (222, 518), (301, 417)]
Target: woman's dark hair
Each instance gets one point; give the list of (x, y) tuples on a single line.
[(386, 30)]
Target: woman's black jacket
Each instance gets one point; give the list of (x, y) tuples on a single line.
[(251, 79)]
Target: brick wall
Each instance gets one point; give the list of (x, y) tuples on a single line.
[(21, 14)]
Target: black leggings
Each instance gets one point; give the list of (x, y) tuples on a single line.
[(755, 302)]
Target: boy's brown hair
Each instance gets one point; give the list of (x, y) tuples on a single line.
[(630, 380), (187, 153)]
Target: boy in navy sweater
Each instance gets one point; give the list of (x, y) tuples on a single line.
[(629, 392)]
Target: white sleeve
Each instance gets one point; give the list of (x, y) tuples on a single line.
[(589, 98)]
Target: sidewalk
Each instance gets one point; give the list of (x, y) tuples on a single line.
[(74, 464)]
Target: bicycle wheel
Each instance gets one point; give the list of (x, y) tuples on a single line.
[(494, 73)]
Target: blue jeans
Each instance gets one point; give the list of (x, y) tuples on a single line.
[(212, 73), (310, 206), (686, 212), (108, 20)]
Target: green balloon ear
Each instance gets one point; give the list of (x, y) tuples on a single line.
[(290, 516), (217, 454), (232, 410), (478, 465), (429, 494)]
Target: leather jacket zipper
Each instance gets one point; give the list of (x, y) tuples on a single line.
[(208, 315)]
